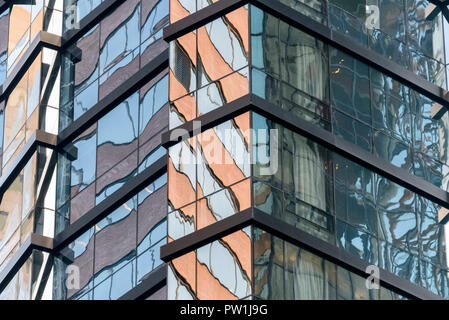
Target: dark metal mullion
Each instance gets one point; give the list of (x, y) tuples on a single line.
[(135, 82), (94, 17), (362, 53), (316, 29), (285, 231), (200, 18), (108, 205), (156, 280), (3, 5)]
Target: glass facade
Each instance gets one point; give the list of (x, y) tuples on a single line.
[(4, 26), (298, 181), (208, 177), (340, 202), (345, 96), (103, 158), (110, 264), (55, 187), (209, 67), (263, 266), (98, 201), (111, 52), (403, 31)]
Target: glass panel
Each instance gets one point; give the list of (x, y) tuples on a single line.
[(350, 85), (183, 64), (74, 267), (224, 268), (112, 251), (223, 47), (304, 58)]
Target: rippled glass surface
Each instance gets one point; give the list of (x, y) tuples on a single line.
[(208, 67), (218, 270), (281, 271), (406, 32), (109, 265), (288, 272), (210, 169), (340, 202), (113, 50), (26, 20)]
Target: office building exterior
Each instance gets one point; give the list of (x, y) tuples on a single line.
[(224, 149)]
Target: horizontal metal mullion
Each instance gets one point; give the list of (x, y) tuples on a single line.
[(94, 17), (200, 18), (315, 133), (206, 235), (112, 202), (38, 138), (207, 120), (32, 242), (135, 82), (43, 39), (337, 255), (156, 280)]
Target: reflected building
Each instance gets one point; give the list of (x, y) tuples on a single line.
[(224, 149)]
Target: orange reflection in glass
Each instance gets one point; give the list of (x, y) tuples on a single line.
[(209, 288), (37, 24), (243, 123), (185, 271), (234, 86), (19, 22), (177, 11), (224, 203), (213, 61), (240, 242), (180, 188)]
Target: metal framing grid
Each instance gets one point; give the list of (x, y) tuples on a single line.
[(318, 30), (351, 151), (150, 70), (251, 102), (94, 17), (111, 203), (285, 231), (42, 39), (33, 242), (155, 280), (251, 216)]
